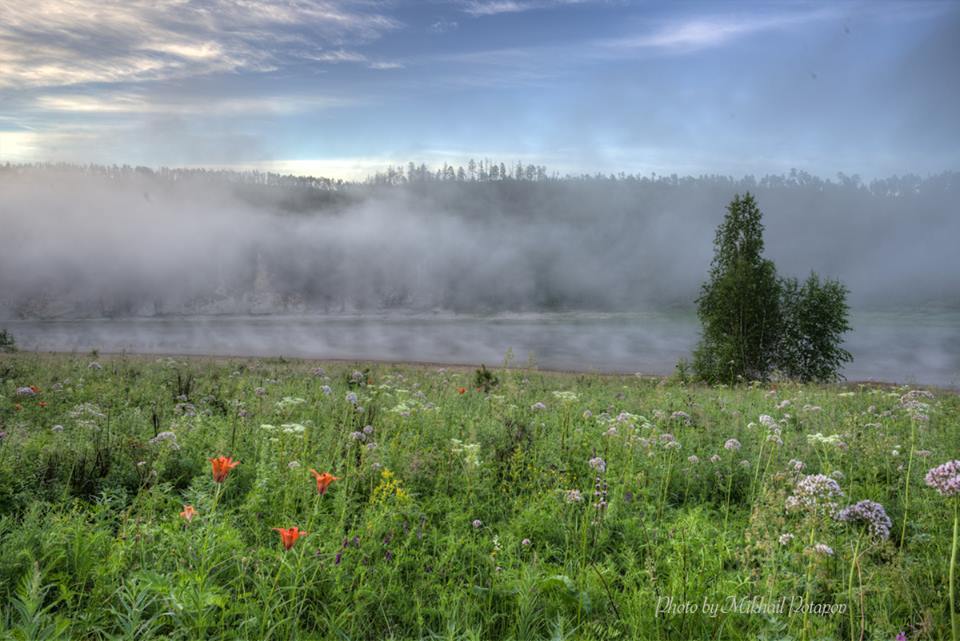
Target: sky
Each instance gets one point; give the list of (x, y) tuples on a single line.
[(343, 88)]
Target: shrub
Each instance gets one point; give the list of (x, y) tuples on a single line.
[(7, 344)]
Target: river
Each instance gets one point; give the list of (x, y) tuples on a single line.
[(918, 347)]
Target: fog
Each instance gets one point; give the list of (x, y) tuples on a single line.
[(98, 242)]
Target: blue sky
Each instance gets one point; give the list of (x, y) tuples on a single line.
[(345, 87)]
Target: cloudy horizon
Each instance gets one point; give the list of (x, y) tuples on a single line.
[(345, 88)]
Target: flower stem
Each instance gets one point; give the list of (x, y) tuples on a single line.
[(853, 565), (906, 489), (953, 570)]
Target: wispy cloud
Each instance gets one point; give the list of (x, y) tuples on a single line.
[(701, 32), (493, 7), (140, 103), (54, 43)]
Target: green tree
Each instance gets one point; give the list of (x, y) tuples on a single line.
[(7, 344), (739, 306), (814, 321)]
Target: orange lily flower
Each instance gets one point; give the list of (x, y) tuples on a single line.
[(221, 467), (289, 536), (323, 480), (462, 390), (188, 513)]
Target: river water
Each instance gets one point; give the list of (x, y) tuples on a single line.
[(919, 347)]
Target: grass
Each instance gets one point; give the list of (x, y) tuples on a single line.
[(455, 515)]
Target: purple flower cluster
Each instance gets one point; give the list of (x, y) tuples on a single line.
[(869, 513), (815, 494), (945, 478), (732, 444)]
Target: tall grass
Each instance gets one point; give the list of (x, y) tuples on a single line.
[(545, 506)]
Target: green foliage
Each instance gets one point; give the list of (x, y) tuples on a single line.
[(814, 321), (92, 545), (7, 344), (739, 306), (755, 323), (485, 380)]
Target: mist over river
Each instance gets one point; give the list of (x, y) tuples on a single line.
[(921, 347)]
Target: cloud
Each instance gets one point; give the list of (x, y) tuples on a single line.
[(444, 26), (478, 8), (701, 32), (385, 65), (47, 43), (139, 103)]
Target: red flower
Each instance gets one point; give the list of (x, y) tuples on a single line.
[(462, 390), (323, 480), (36, 390), (188, 513), (289, 536), (221, 467)]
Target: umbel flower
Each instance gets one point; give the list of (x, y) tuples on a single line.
[(815, 494), (221, 467), (289, 536), (945, 478), (869, 513), (323, 480)]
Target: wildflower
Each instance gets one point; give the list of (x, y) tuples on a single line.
[(683, 417), (732, 445), (573, 496), (358, 436), (351, 398), (221, 467), (289, 536), (260, 391), (775, 439), (945, 478), (786, 538), (327, 391), (461, 390), (745, 464), (525, 543), (822, 549), (188, 513), (869, 513), (587, 414), (814, 493), (323, 480), (900, 636), (715, 458), (477, 524), (693, 458), (783, 404), (292, 465), (368, 430), (598, 464), (796, 464), (538, 406), (319, 371), (768, 421), (27, 391)]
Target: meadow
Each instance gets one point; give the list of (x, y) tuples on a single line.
[(145, 498)]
